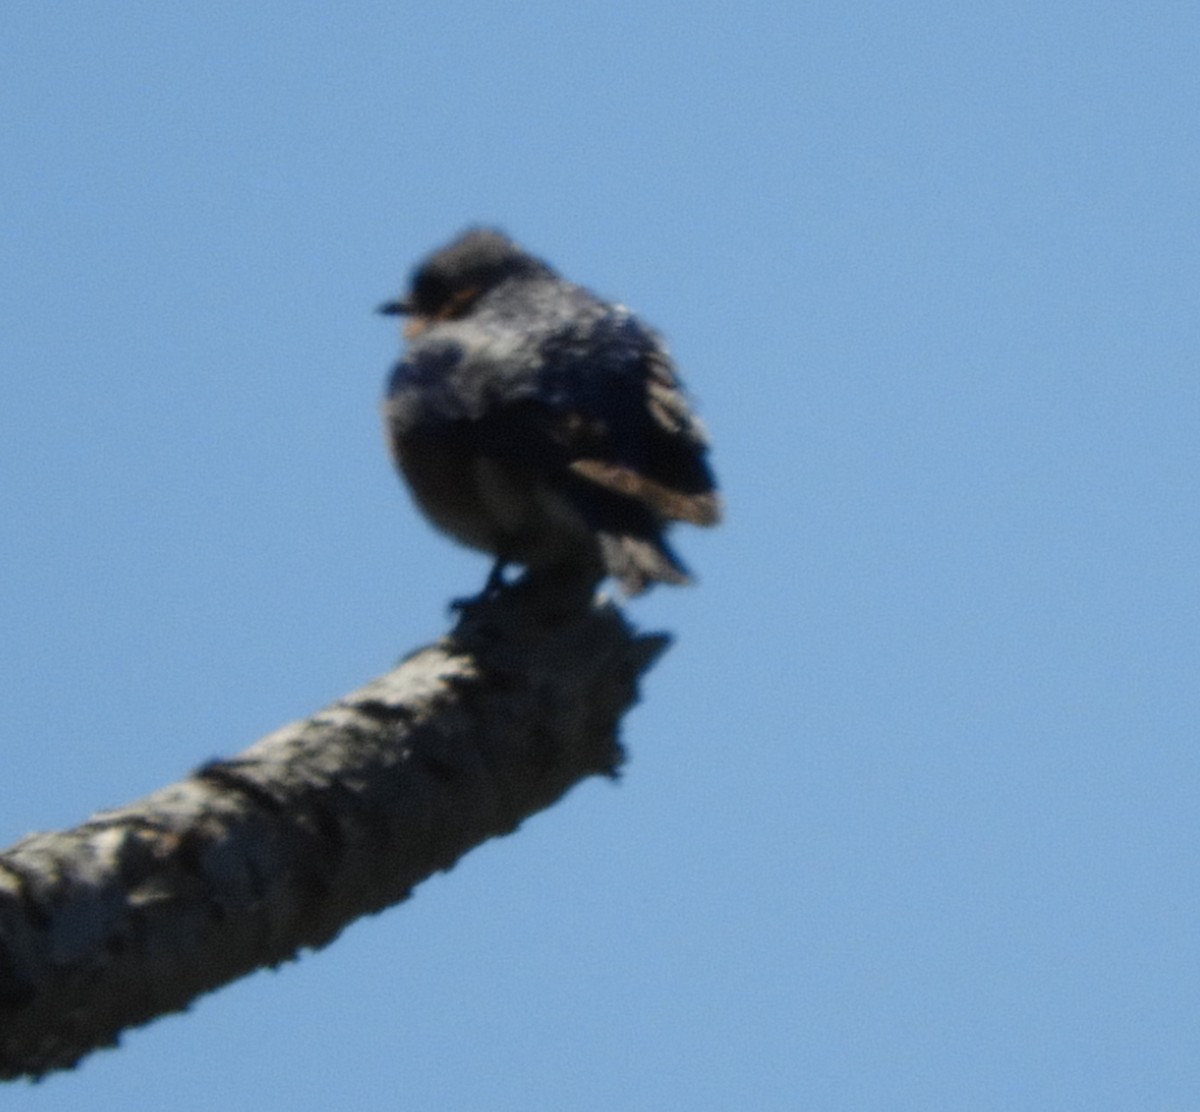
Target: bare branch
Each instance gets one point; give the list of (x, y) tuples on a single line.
[(141, 909)]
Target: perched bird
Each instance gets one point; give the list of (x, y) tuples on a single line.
[(534, 421)]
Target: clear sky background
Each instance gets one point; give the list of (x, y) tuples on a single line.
[(910, 817)]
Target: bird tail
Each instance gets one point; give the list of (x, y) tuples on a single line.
[(638, 561), (629, 535)]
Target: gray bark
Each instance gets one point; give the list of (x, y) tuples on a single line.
[(249, 860)]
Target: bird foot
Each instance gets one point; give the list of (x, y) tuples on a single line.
[(495, 586)]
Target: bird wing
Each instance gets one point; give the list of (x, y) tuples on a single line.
[(661, 459), (637, 439)]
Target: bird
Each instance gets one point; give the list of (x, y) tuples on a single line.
[(540, 423)]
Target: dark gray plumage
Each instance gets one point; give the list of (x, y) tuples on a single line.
[(541, 424)]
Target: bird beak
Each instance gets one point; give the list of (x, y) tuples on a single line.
[(395, 308)]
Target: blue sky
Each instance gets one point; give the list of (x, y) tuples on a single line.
[(910, 814)]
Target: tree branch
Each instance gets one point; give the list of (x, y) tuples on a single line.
[(141, 909)]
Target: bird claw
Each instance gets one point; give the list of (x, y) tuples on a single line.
[(495, 586)]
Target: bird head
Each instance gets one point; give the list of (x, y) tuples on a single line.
[(451, 280)]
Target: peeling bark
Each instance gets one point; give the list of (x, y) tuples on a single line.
[(138, 911)]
